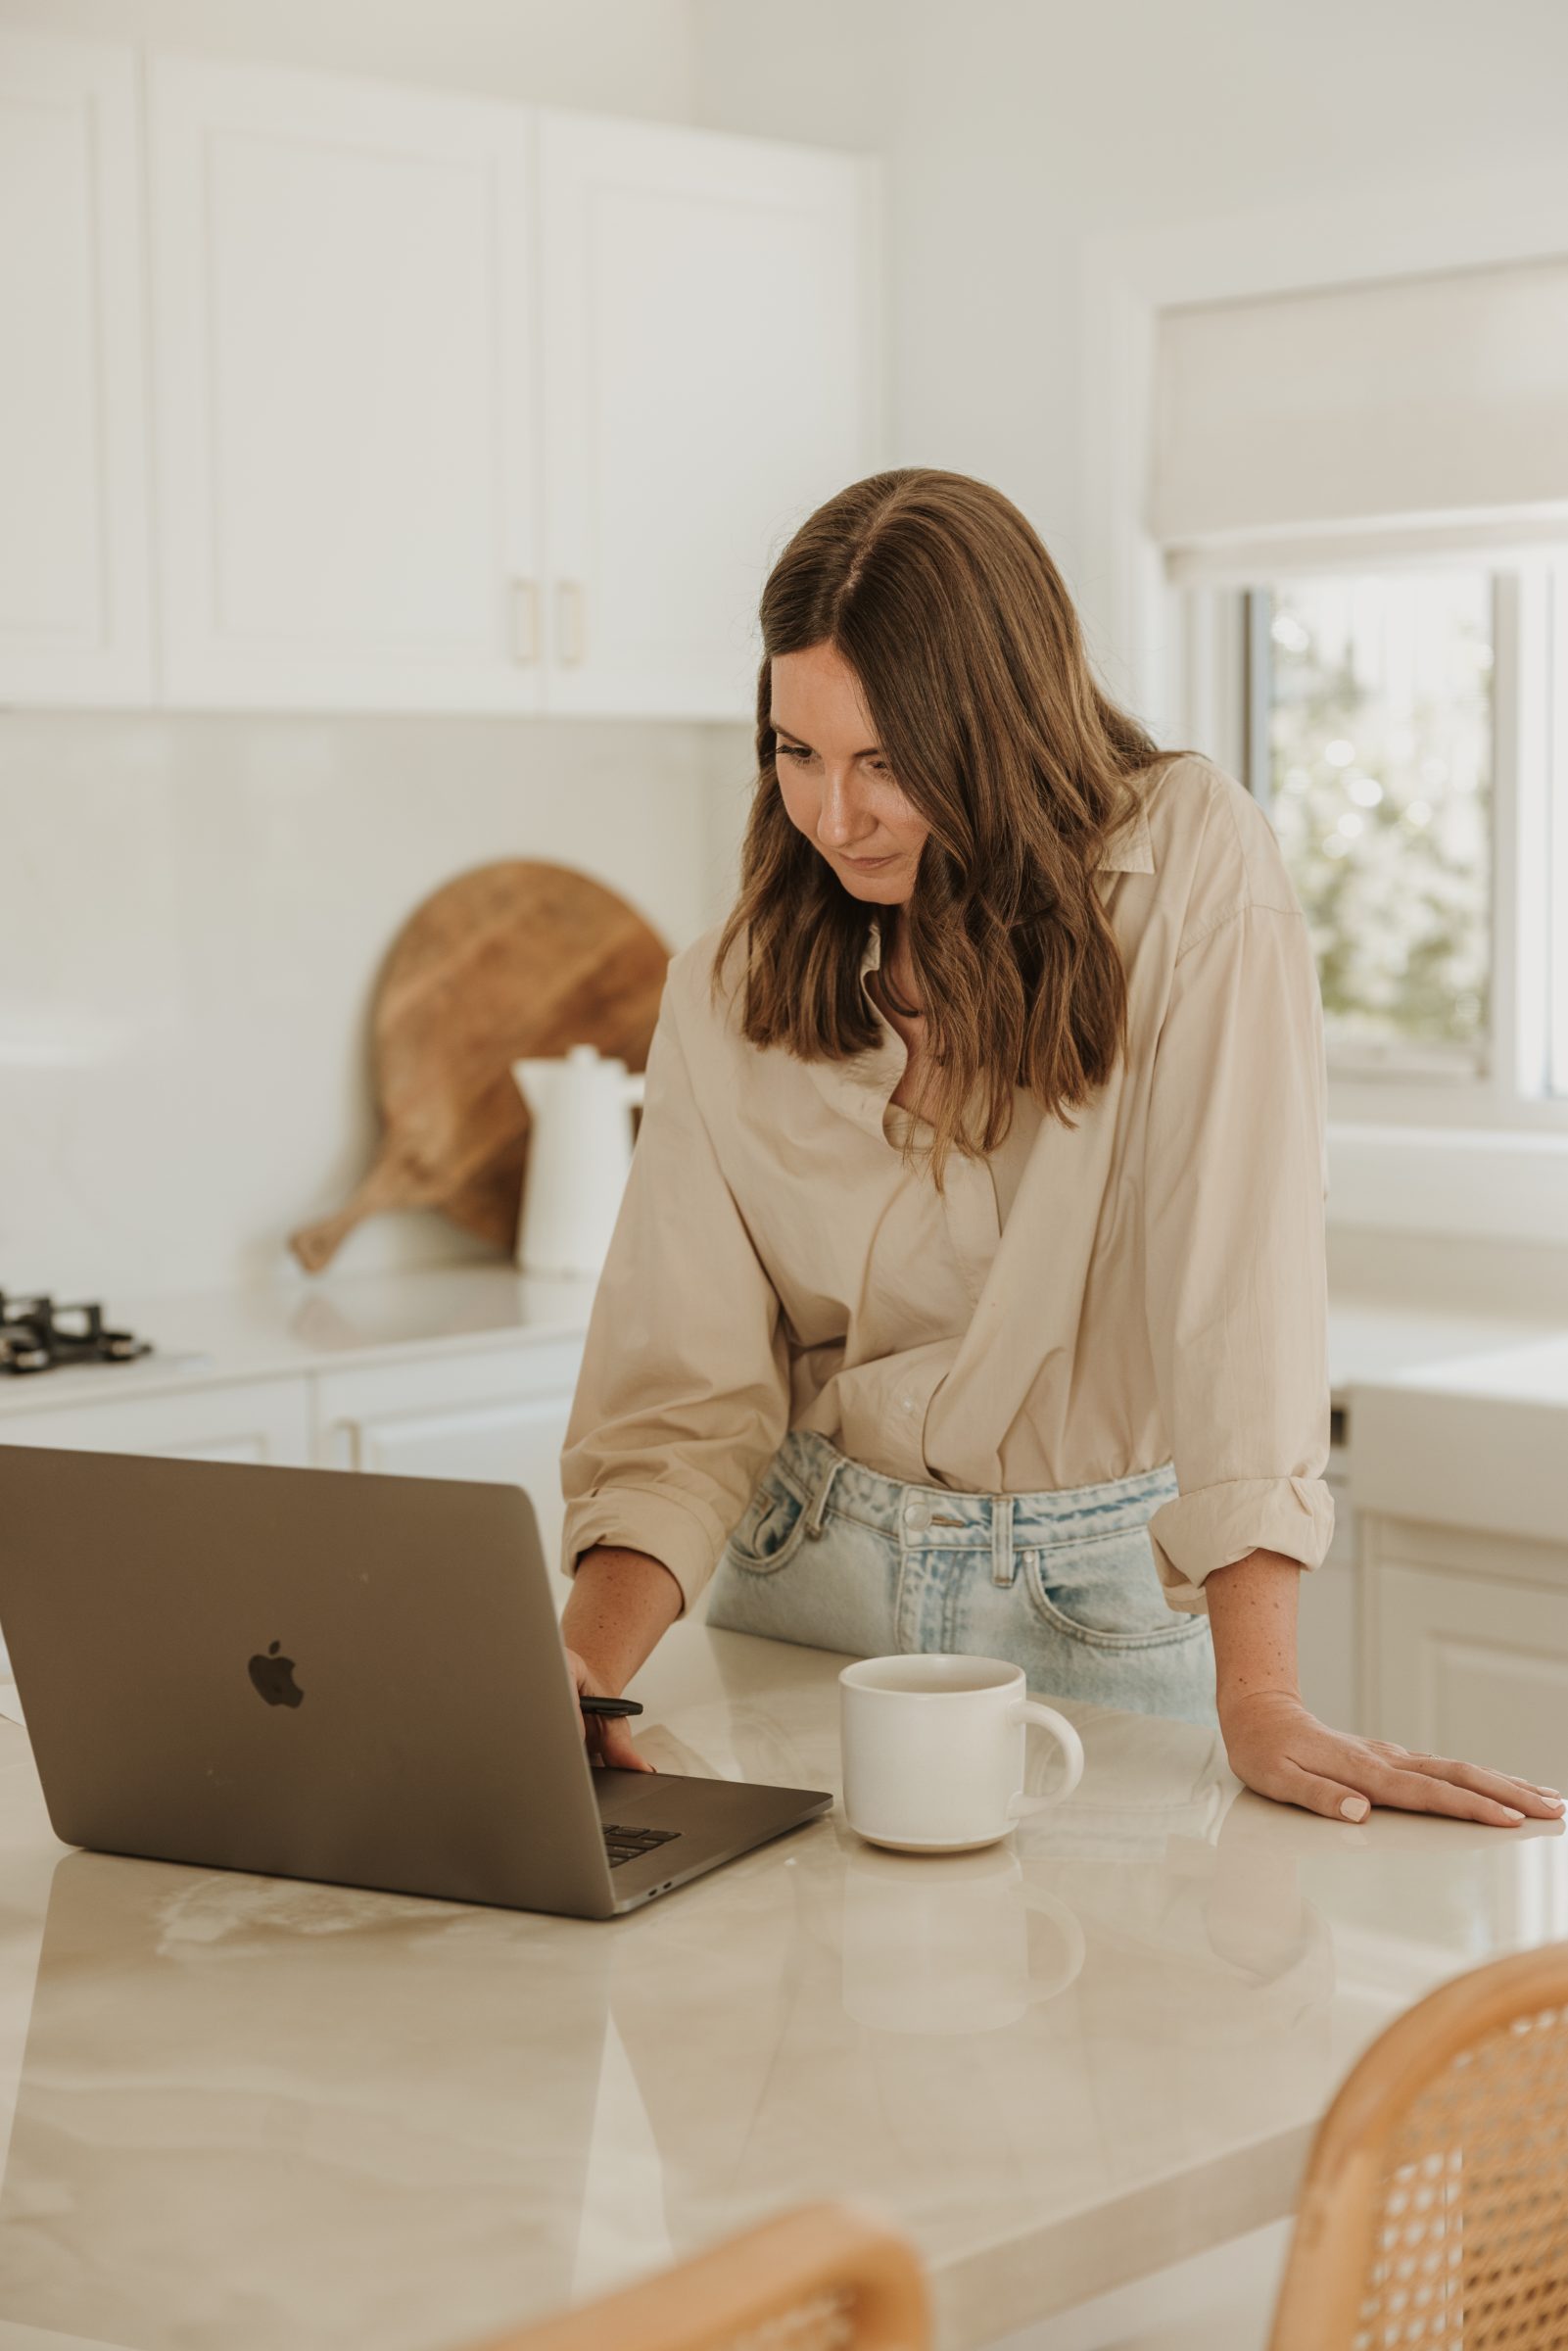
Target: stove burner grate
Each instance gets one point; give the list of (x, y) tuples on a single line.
[(37, 1335)]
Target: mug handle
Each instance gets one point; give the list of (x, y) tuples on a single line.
[(1027, 1710)]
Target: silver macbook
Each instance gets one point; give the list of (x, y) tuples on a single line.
[(313, 1673)]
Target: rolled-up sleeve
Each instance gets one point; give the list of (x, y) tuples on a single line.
[(1235, 1187), (682, 1394)]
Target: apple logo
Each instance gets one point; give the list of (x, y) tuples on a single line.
[(273, 1676)]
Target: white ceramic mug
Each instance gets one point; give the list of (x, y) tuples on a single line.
[(934, 1750)]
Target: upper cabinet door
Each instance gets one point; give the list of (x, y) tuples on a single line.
[(74, 559), (342, 306), (709, 344)]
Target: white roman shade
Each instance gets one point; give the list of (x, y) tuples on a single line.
[(1372, 416)]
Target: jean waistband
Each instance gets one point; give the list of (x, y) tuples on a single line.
[(942, 1518)]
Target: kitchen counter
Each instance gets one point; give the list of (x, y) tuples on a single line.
[(1527, 1371), (1376, 1339), (315, 1326), (256, 2114), (1476, 1438), (262, 1334)]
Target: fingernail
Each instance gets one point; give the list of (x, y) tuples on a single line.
[(1510, 1814), (1354, 1808)]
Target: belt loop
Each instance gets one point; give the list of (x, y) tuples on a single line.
[(1004, 1566), (814, 1516)]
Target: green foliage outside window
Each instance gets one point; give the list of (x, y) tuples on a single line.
[(1379, 730)]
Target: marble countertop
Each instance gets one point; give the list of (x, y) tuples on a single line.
[(270, 2116), (1377, 1341), (340, 1320), (1514, 1368)]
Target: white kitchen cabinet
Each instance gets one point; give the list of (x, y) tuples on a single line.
[(495, 1414), (1326, 1644), (343, 306), (74, 620), (1328, 1631), (1467, 1645), (226, 1420), (709, 342), (455, 405)]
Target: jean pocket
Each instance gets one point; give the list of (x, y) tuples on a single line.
[(1105, 1591), (769, 1530)]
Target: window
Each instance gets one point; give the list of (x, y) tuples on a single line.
[(1370, 742), (1404, 720)]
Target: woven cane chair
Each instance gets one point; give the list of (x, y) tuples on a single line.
[(823, 2278), (1435, 2210)]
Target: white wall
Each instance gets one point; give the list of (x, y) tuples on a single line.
[(627, 57), (1015, 128), (196, 907)]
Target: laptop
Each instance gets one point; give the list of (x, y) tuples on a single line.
[(314, 1673)]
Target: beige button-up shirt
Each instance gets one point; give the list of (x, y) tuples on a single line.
[(1148, 1286)]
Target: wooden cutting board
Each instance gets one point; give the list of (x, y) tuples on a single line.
[(512, 960)]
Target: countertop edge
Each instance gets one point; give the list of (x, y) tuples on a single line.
[(996, 2289)]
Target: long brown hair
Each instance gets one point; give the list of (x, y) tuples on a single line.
[(971, 661)]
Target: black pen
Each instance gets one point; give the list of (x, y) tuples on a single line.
[(609, 1705)]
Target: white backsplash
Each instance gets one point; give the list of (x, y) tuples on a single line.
[(195, 912)]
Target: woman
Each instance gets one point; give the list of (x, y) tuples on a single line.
[(968, 1292)]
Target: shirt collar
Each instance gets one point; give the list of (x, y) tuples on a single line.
[(1129, 851)]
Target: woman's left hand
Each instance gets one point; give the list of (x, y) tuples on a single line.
[(1282, 1751)]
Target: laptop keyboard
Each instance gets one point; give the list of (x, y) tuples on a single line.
[(625, 1844)]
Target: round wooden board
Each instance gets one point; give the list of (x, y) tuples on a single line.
[(512, 960)]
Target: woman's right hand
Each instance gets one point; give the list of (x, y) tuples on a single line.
[(620, 1602), (609, 1738)]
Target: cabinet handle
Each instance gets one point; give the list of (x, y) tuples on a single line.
[(525, 620), (571, 635), (343, 1446)]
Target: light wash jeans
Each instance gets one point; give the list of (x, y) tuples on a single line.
[(836, 1556)]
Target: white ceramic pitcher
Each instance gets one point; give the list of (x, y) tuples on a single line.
[(578, 1157)]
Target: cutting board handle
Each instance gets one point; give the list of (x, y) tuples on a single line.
[(385, 1186)]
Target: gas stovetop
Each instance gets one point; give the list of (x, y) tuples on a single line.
[(37, 1335)]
